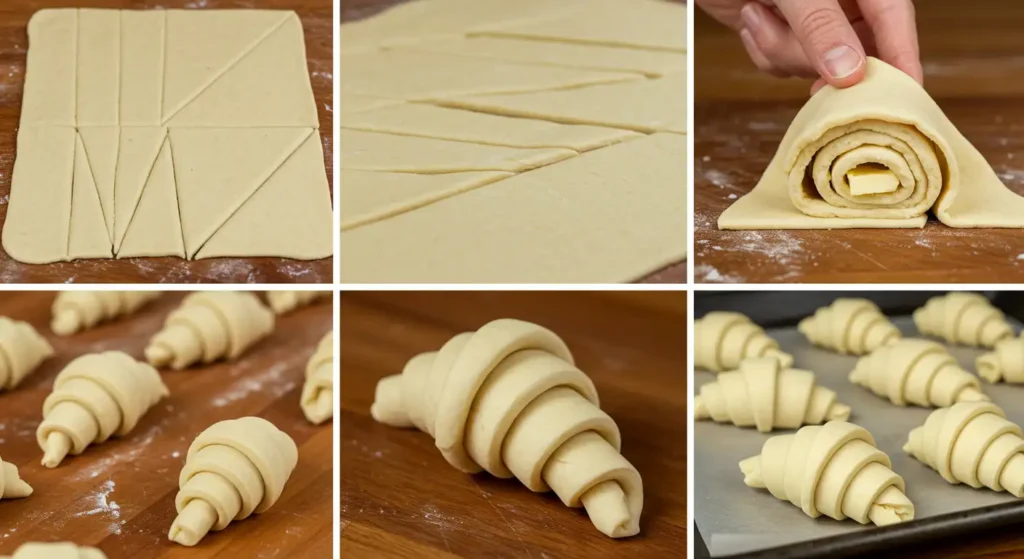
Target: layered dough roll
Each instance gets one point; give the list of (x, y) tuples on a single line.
[(11, 484), (22, 349), (723, 339), (849, 326), (81, 310), (210, 326), (972, 443), (834, 469), (95, 397), (1006, 363), (233, 469), (919, 372), (764, 394), (318, 392), (507, 399), (963, 318), (61, 550), (282, 302)]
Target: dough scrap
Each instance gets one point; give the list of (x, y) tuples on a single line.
[(233, 469), (507, 399), (835, 470), (61, 550), (318, 392), (286, 301), (74, 311), (850, 326), (963, 318), (22, 349), (1006, 363), (764, 394), (11, 484), (723, 339), (918, 372)]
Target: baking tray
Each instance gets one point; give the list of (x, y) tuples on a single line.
[(738, 521)]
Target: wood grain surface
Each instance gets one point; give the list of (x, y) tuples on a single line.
[(401, 499), (973, 59), (352, 10), (317, 23), (119, 495)]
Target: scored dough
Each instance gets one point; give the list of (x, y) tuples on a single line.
[(81, 310), (62, 550), (850, 326), (963, 318), (723, 339), (919, 372), (22, 349)]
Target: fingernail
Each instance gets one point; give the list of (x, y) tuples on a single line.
[(748, 39), (750, 17), (842, 61)]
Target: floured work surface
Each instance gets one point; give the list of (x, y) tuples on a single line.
[(486, 141), (167, 133), (733, 518)]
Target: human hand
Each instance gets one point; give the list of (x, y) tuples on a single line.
[(824, 39)]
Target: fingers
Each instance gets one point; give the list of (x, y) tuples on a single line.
[(827, 38), (895, 32), (771, 44)]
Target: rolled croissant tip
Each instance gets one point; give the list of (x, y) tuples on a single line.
[(322, 408), (892, 507), (65, 323), (181, 536), (192, 523), (751, 468), (989, 369), (55, 449), (838, 411), (158, 355), (700, 410), (971, 394)]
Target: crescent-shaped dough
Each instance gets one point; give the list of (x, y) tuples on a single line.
[(764, 394), (972, 443), (11, 484), (282, 302), (61, 550), (723, 339), (919, 372), (80, 310), (1005, 363), (849, 326), (507, 399), (964, 319), (318, 392), (834, 469), (22, 349)]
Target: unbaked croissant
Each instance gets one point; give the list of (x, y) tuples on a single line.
[(764, 394), (22, 349), (81, 310), (286, 301), (507, 399), (834, 469), (61, 550), (919, 372), (849, 326), (11, 484), (318, 392), (972, 443), (963, 318), (1005, 363), (723, 339)]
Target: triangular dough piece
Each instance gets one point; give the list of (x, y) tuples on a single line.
[(136, 156), (155, 229), (87, 236), (269, 87), (101, 148), (289, 216), (203, 44), (218, 169)]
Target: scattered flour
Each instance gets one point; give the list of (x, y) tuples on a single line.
[(1012, 175), (197, 4), (271, 381), (709, 274), (1020, 256), (718, 178)]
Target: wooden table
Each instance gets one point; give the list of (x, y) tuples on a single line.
[(973, 61), (119, 495), (400, 499), (352, 10), (317, 22)]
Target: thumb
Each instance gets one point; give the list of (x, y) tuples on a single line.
[(828, 39)]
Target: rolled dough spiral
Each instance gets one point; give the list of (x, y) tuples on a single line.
[(22, 349), (210, 326), (81, 310), (318, 392), (834, 469), (95, 397), (233, 469), (55, 551), (919, 372), (723, 339), (508, 399), (11, 484), (972, 443), (963, 318), (1005, 363), (849, 326), (764, 394), (286, 301)]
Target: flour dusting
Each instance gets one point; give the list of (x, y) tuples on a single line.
[(710, 274), (1020, 256), (197, 4), (270, 381)]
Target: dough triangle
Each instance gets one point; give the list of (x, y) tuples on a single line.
[(100, 144), (155, 229), (218, 169), (136, 155), (290, 214), (87, 231)]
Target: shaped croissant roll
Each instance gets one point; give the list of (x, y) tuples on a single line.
[(963, 318), (81, 310), (764, 394), (849, 326), (22, 349), (834, 469), (972, 443), (1005, 363), (723, 339), (95, 397), (55, 551), (11, 484), (918, 372), (233, 469), (507, 399), (210, 326), (318, 392), (282, 302)]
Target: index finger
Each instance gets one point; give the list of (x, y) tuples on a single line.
[(895, 30), (828, 39)]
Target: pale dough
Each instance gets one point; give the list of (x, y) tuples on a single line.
[(963, 318), (507, 399), (764, 394), (849, 326), (286, 301), (210, 326), (835, 470), (318, 391), (62, 550), (233, 469), (887, 120), (723, 339), (972, 443), (1006, 363), (22, 349), (11, 484), (918, 372), (80, 310), (95, 397)]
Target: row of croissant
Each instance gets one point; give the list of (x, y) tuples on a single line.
[(233, 468), (833, 467)]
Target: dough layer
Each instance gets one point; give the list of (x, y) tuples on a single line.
[(723, 339), (318, 392), (81, 310), (850, 326), (1006, 363), (22, 349), (963, 318), (61, 550), (11, 484), (918, 372), (282, 302)]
